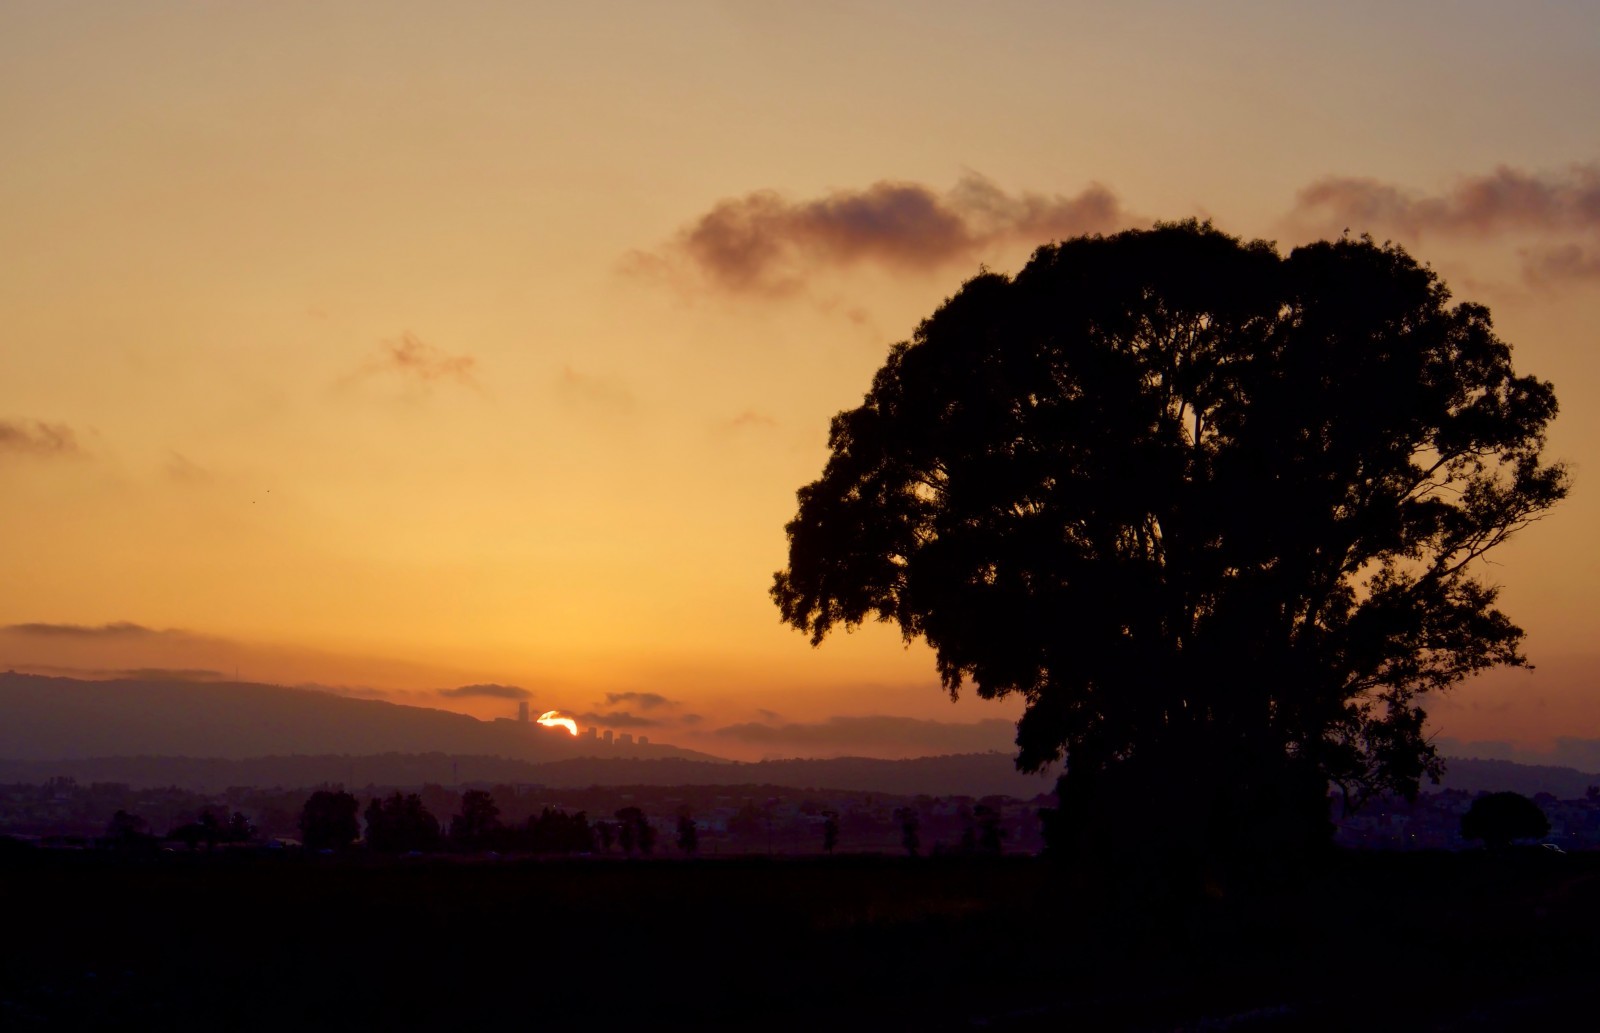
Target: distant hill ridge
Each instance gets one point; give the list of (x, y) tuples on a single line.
[(220, 734), (43, 718), (972, 774)]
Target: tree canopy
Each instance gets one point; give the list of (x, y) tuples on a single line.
[(328, 820), (1205, 507), (1498, 818)]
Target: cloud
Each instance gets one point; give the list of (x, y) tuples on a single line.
[(1504, 202), (764, 242), (643, 700), (876, 730), (618, 719), (116, 629), (1562, 263), (417, 361), (184, 470), (489, 691), (595, 389), (35, 438), (750, 419)]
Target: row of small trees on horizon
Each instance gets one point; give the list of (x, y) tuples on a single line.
[(400, 823)]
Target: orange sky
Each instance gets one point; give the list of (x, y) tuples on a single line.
[(396, 348)]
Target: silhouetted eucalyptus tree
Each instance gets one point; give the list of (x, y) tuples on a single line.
[(1498, 818), (688, 834), (830, 830), (1213, 512)]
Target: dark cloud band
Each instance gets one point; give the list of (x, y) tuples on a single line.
[(766, 242), (1505, 202), (31, 437), (486, 692)]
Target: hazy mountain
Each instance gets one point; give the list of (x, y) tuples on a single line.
[(973, 774), (63, 718), (977, 774), (1475, 776)]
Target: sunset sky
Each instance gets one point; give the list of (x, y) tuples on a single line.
[(395, 347)]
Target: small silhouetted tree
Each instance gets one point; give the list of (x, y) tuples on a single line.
[(557, 832), (688, 834), (990, 834), (830, 831), (127, 831), (910, 823), (329, 820), (207, 828), (210, 828), (1498, 818), (634, 831), (239, 829), (400, 824), (479, 818), (607, 833)]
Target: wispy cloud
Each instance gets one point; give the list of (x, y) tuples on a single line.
[(1553, 265), (594, 389), (642, 700), (488, 691), (36, 438), (870, 731), (618, 719), (1563, 207), (417, 362), (765, 242), (750, 419), (184, 470), (1504, 200)]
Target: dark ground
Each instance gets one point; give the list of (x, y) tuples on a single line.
[(242, 941)]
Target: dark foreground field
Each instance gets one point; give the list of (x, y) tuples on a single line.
[(1432, 942)]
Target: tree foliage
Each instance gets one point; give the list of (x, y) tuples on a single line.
[(1498, 818), (328, 820), (634, 831), (688, 834), (478, 820), (400, 823), (1206, 508)]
